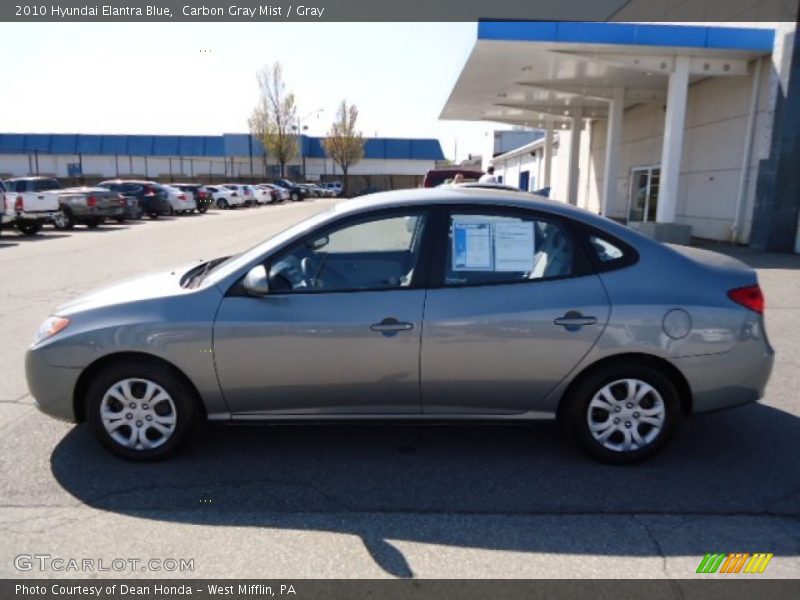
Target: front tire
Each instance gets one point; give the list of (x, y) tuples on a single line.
[(625, 413), (140, 410), (63, 219)]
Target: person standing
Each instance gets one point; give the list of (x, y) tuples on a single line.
[(488, 177)]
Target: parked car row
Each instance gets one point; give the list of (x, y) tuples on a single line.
[(29, 203)]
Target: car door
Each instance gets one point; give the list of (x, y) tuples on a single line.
[(339, 330), (515, 309)]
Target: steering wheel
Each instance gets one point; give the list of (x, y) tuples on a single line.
[(311, 267)]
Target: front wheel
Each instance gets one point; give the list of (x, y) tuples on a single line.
[(63, 219), (140, 410), (624, 414)]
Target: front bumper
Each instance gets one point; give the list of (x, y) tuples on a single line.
[(52, 387)]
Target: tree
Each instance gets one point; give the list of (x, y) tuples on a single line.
[(344, 143), (274, 118)]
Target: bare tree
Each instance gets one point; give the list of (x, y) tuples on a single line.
[(274, 116), (344, 143)]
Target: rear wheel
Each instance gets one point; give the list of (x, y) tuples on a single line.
[(120, 220), (222, 203), (29, 227), (140, 410), (625, 413), (153, 215), (295, 196), (202, 209), (94, 222)]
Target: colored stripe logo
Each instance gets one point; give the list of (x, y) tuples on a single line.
[(735, 562)]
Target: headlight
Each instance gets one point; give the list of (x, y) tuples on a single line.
[(50, 327)]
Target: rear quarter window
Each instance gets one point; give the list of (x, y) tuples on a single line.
[(608, 253)]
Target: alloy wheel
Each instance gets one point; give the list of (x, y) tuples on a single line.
[(626, 415), (138, 414)]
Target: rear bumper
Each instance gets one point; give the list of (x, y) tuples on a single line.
[(720, 381)]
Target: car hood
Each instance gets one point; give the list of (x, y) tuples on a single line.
[(149, 287)]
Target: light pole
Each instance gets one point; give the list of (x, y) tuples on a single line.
[(300, 128)]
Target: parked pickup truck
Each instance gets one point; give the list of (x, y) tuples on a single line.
[(34, 201), (89, 206)]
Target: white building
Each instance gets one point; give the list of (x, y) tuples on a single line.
[(677, 130)]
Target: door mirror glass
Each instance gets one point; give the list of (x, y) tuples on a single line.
[(255, 282)]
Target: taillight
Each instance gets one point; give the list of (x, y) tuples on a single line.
[(750, 297), (91, 202), (148, 191), (182, 197), (19, 205), (122, 200)]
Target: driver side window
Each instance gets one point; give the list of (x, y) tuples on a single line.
[(375, 254)]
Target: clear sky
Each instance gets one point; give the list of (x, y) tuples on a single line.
[(153, 78)]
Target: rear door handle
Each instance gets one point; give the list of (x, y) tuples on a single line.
[(574, 320), (390, 326)]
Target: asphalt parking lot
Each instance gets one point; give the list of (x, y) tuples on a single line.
[(455, 501)]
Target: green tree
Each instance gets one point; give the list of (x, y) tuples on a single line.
[(274, 117), (344, 143)]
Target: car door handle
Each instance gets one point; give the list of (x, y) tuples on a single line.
[(391, 325), (574, 320)]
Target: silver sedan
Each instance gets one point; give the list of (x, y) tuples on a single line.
[(418, 304)]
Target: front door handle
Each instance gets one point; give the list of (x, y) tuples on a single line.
[(390, 326), (573, 320)]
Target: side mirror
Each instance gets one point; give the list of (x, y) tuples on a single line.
[(256, 282)]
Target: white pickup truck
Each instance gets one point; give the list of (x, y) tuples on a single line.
[(30, 202)]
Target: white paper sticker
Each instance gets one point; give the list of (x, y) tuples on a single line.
[(472, 246), (513, 246)]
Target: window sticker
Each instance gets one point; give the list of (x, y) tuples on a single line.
[(513, 246), (472, 246), (489, 243)]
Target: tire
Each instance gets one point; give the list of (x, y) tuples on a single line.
[(294, 196), (122, 419), (171, 211), (653, 418), (64, 220), (94, 223), (202, 209), (120, 220), (222, 203), (153, 215), (29, 227)]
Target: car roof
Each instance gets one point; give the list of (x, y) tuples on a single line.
[(421, 197)]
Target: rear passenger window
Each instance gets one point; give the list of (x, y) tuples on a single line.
[(495, 248)]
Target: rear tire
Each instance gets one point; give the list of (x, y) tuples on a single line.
[(94, 223), (29, 227), (140, 410), (624, 413), (153, 215)]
